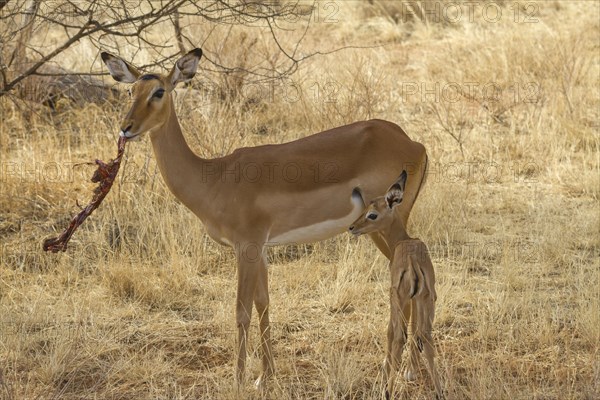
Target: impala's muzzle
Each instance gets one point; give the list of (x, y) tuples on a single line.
[(127, 134), (354, 230)]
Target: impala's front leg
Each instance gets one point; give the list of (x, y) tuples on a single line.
[(249, 264), (261, 301)]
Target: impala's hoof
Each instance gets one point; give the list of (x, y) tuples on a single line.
[(260, 384), (385, 367)]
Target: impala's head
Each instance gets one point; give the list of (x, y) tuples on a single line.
[(150, 93), (379, 212)]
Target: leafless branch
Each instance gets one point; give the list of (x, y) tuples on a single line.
[(130, 22)]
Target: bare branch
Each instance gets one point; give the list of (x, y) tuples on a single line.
[(109, 28), (178, 34)]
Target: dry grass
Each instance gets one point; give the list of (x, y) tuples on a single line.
[(139, 308)]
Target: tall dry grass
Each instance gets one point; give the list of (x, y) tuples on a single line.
[(141, 305)]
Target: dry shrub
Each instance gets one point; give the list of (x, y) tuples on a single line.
[(403, 12)]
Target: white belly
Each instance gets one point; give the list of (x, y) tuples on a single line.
[(319, 231)]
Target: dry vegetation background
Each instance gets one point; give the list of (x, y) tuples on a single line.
[(141, 306)]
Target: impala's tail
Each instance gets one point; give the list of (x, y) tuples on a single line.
[(423, 177), (410, 201)]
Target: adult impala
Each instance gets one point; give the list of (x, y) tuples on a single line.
[(295, 192)]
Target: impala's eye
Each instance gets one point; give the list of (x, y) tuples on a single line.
[(372, 216), (159, 93)]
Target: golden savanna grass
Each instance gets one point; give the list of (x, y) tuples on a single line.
[(141, 306)]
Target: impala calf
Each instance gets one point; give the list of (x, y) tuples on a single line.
[(412, 292), (260, 207)]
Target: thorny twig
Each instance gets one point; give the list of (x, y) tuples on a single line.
[(105, 175)]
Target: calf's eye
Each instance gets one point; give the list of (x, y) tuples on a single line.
[(372, 217)]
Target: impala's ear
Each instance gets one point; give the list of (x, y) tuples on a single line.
[(185, 68), (119, 69), (395, 193), (357, 197)]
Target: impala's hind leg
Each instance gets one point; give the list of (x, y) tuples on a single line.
[(409, 251), (425, 315), (410, 374), (396, 339), (400, 309), (426, 312)]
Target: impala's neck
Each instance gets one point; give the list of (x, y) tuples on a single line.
[(177, 162), (395, 233)]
